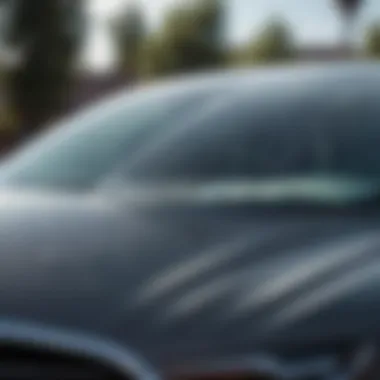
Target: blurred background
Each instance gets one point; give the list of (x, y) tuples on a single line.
[(57, 56)]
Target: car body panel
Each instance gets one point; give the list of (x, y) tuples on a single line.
[(185, 283), (178, 282)]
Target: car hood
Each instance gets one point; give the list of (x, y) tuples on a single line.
[(180, 284)]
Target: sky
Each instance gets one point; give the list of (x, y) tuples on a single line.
[(313, 21)]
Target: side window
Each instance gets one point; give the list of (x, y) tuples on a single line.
[(245, 138)]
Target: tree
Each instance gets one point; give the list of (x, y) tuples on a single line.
[(372, 40), (190, 40), (48, 35), (273, 44), (129, 33), (349, 10), (208, 20)]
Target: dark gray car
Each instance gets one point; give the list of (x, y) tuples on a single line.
[(220, 221)]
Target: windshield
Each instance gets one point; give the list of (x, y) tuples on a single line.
[(81, 151), (268, 147), (246, 145)]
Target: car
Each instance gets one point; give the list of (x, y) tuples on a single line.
[(213, 225)]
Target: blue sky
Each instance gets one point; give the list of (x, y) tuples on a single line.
[(313, 21)]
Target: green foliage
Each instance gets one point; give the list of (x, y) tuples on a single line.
[(49, 34), (190, 39), (207, 19), (9, 132), (274, 44), (372, 40), (238, 56), (129, 33)]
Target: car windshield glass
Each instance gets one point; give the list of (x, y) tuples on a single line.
[(81, 151), (269, 145)]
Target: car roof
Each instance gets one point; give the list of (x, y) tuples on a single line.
[(291, 73), (319, 79), (295, 81)]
